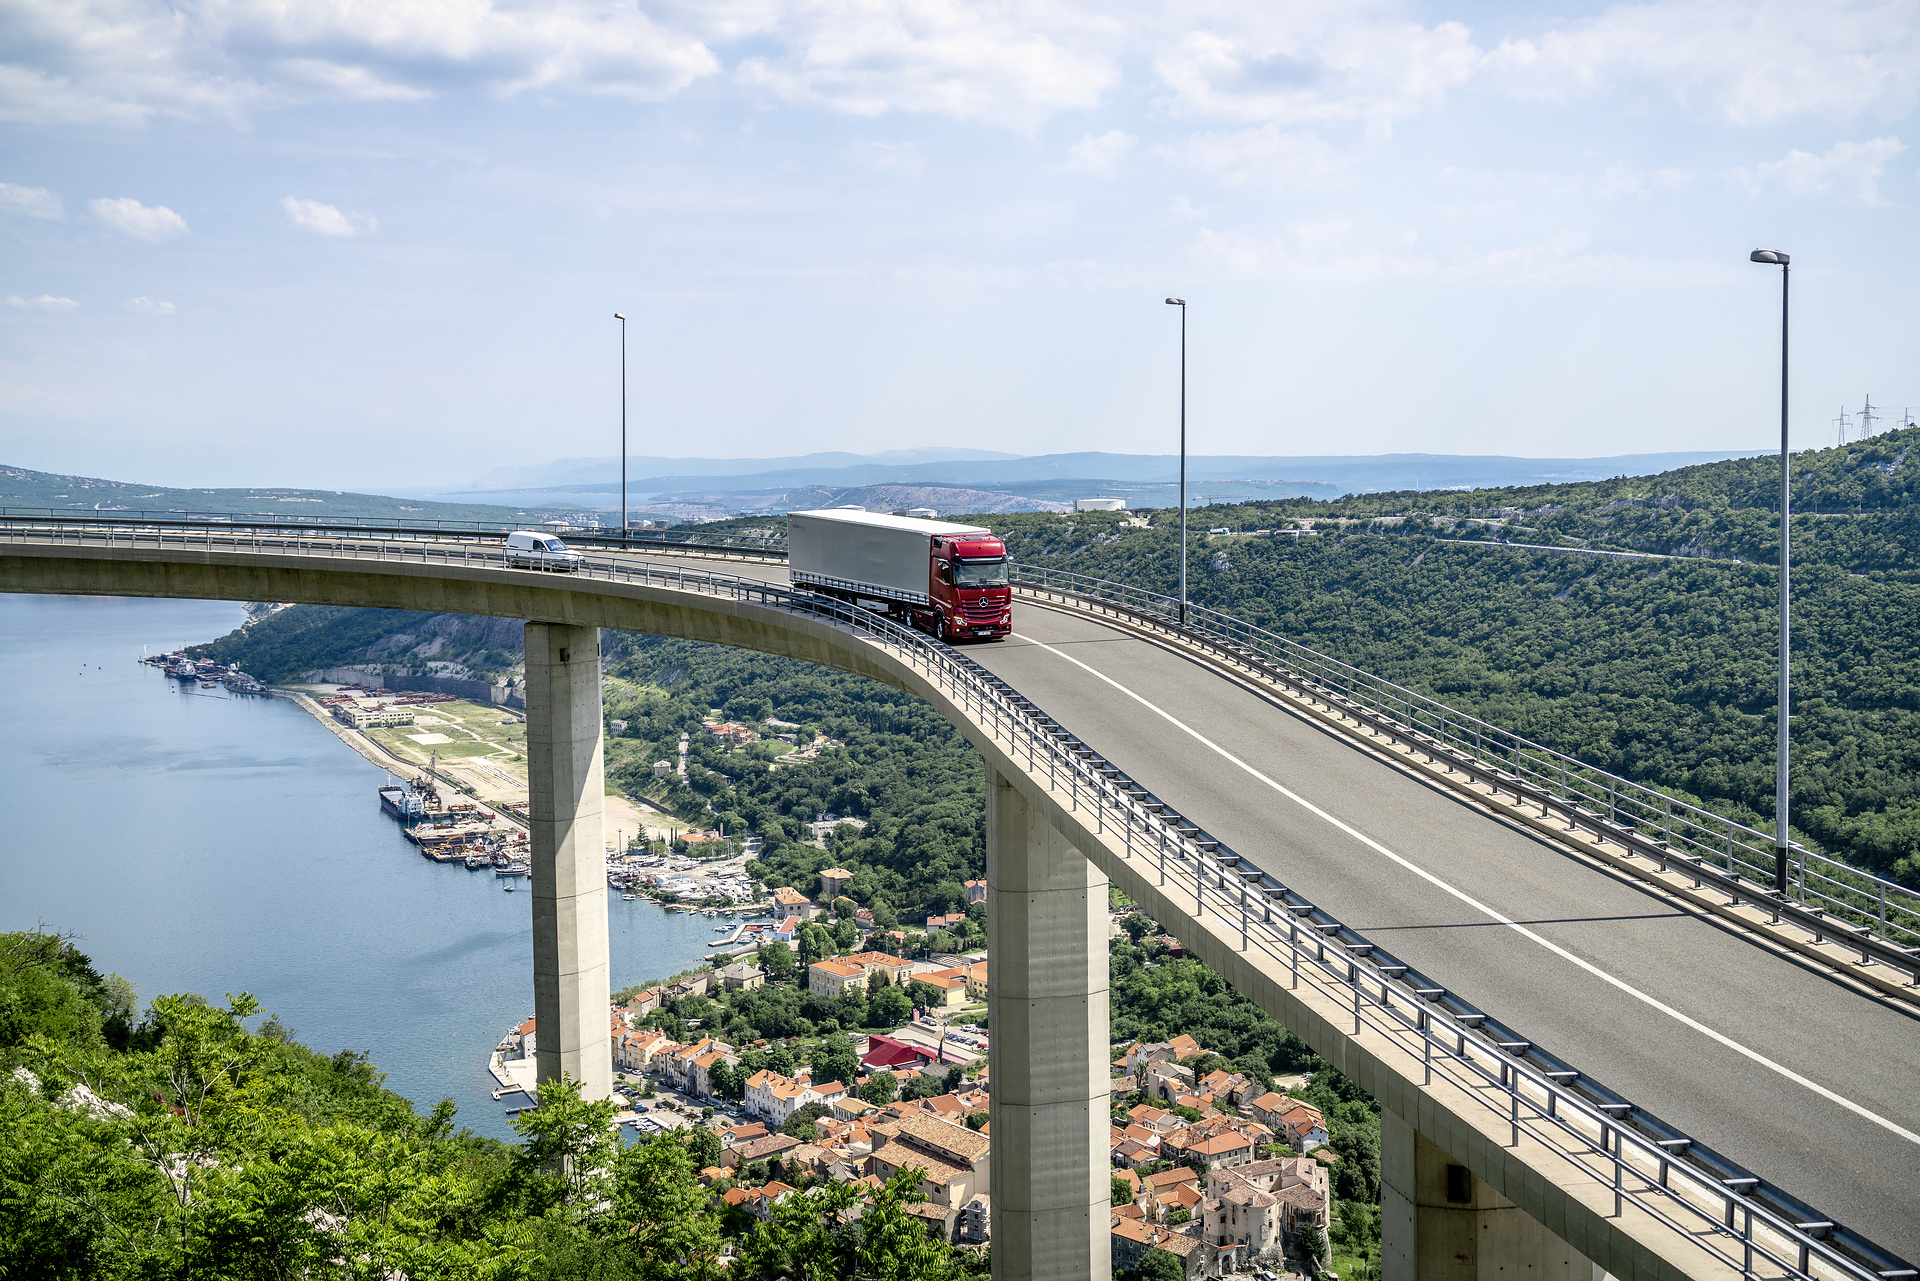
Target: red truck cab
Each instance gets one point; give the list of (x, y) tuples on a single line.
[(967, 588)]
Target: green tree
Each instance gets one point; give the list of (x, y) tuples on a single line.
[(889, 1007), (895, 1245), (832, 1059), (1121, 1191), (673, 1232), (815, 943), (702, 1146), (1161, 1265), (727, 1080), (801, 1124), (567, 1155), (880, 1089), (1311, 1243), (776, 958), (1137, 925)]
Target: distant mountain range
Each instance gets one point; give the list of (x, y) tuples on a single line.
[(953, 481), (1146, 480), (581, 471)]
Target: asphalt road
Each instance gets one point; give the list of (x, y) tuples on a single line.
[(1788, 1036), (1852, 1168), (1756, 1054)]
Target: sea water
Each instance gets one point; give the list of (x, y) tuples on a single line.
[(200, 841)]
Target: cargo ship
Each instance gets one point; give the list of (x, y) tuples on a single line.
[(403, 803)]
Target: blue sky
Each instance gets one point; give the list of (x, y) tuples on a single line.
[(374, 245)]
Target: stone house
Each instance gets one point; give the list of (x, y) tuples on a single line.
[(833, 977), (741, 976), (953, 1160), (788, 901), (1132, 1238)]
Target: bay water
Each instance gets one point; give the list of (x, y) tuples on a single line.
[(198, 841)]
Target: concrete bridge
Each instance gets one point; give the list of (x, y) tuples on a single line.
[(1639, 1073)]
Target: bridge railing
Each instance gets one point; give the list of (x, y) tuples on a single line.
[(752, 542), (1750, 1226), (1851, 904)]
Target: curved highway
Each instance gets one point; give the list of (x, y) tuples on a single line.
[(1775, 1061), (1811, 1083)]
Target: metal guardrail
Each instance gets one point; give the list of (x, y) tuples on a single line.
[(1749, 1225), (742, 542), (1825, 896)]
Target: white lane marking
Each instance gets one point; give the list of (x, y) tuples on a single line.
[(1478, 906)]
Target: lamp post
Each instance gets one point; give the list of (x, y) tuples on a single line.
[(1181, 303), (1780, 838), (623, 427)]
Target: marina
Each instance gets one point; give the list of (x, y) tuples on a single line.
[(317, 906)]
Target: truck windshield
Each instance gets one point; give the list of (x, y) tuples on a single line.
[(980, 573), (555, 545)]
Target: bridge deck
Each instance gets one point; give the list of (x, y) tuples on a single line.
[(1765, 1057), (1653, 952)]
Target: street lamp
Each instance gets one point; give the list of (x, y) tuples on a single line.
[(1771, 257), (1181, 303), (623, 427)]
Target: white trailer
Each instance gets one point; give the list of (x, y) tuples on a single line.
[(853, 552)]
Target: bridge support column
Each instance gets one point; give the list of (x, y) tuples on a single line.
[(1047, 1015), (567, 795), (1440, 1222)]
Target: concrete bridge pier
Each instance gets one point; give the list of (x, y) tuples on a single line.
[(1047, 1015), (1441, 1222), (567, 794)]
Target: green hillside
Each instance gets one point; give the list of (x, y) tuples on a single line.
[(1658, 666), (20, 487)]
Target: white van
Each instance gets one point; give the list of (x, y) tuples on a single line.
[(528, 549)]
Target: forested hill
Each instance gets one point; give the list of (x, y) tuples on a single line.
[(1659, 667), (23, 487)]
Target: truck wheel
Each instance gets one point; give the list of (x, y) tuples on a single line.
[(940, 629)]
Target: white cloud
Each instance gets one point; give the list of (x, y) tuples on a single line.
[(891, 157), (1267, 153), (1615, 182), (1852, 167), (325, 220), (1098, 155), (45, 302), (1748, 61), (1298, 66), (1307, 62), (143, 222), (152, 306), (996, 62), (127, 61), (1328, 249), (34, 202)]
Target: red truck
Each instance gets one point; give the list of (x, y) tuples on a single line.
[(947, 579)]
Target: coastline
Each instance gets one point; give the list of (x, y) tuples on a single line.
[(624, 814), (386, 758)]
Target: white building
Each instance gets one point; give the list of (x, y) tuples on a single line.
[(363, 717)]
